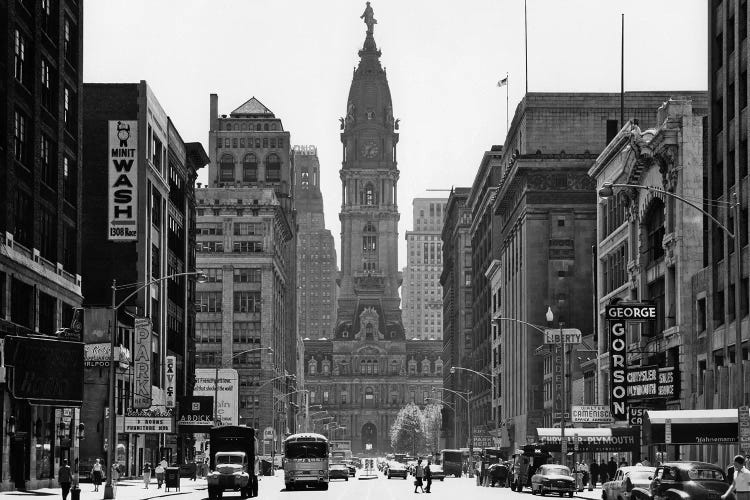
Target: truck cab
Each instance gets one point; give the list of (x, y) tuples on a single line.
[(230, 473)]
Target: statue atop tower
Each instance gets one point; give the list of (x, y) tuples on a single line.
[(369, 18)]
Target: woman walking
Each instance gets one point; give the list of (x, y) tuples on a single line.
[(64, 477), (419, 474), (146, 474), (159, 475), (96, 474)]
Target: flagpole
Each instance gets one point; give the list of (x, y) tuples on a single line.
[(526, 46), (506, 104), (622, 73)]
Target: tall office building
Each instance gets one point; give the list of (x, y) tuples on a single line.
[(367, 370), (246, 245), (138, 226), (421, 293), (316, 253), (40, 224)]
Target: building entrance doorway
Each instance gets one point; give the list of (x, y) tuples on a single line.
[(369, 437)]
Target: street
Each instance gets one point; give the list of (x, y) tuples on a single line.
[(273, 488)]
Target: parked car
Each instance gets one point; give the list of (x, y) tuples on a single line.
[(498, 474), (338, 471), (396, 469), (680, 480), (627, 478), (352, 469), (552, 478), (437, 472)]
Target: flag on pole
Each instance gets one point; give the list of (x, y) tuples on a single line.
[(503, 82)]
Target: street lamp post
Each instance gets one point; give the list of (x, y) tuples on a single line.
[(606, 191), (489, 379), (455, 423), (465, 397), (109, 492), (217, 421)]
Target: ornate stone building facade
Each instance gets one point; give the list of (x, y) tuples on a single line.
[(367, 370), (421, 294)]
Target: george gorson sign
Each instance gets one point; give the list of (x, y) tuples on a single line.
[(617, 371)]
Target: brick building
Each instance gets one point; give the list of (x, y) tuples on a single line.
[(147, 239), (317, 271), (246, 244), (40, 217), (421, 295)]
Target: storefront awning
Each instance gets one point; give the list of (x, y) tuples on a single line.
[(717, 426), (591, 439)]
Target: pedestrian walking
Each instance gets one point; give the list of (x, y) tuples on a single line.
[(594, 470), (603, 472), (428, 476), (741, 483), (159, 470), (64, 477), (146, 474), (96, 474), (611, 468), (418, 474)]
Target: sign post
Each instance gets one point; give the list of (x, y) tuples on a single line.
[(743, 422)]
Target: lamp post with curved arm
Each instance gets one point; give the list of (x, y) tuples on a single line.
[(109, 491), (465, 397), (607, 191), (486, 377), (455, 420)]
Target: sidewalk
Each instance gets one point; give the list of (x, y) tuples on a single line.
[(127, 489)]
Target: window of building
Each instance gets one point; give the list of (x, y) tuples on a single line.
[(69, 110), (250, 168), (70, 41), (48, 25), (654, 225), (247, 332), (21, 58), (47, 306), (226, 168), (207, 331), (214, 274), (247, 275), (701, 315), (312, 366), (70, 245), (48, 236), (273, 168), (247, 246), (208, 301), (247, 302), (370, 197), (209, 246), (21, 138), (47, 93), (49, 165), (248, 229), (70, 180), (656, 294)]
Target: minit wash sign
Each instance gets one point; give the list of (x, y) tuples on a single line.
[(123, 180)]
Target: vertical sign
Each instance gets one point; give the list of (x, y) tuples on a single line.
[(617, 371), (668, 431), (557, 380), (576, 442), (171, 382), (743, 422), (123, 180), (142, 363)]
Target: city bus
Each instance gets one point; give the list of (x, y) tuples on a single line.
[(453, 462), (306, 461)]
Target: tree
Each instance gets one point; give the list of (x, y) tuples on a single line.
[(432, 420), (407, 431)]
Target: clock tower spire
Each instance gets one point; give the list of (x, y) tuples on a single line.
[(369, 205)]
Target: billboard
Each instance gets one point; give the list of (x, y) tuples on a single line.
[(142, 363), (122, 156), (196, 413), (149, 421), (590, 414), (45, 371), (224, 383)]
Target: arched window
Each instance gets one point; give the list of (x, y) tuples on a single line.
[(363, 366), (654, 225), (257, 127), (312, 366), (226, 168), (229, 126), (237, 127), (250, 168), (425, 366), (368, 331), (326, 367), (370, 194), (265, 126), (369, 228), (273, 168), (439, 367), (412, 367)]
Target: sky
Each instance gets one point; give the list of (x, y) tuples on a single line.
[(443, 61)]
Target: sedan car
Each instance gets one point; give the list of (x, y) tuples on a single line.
[(437, 472), (627, 478), (396, 469), (551, 478), (690, 479), (338, 471), (352, 469)]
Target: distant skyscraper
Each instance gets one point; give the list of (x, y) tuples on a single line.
[(421, 293), (316, 252)]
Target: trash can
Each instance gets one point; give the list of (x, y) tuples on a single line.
[(172, 478), (75, 493)]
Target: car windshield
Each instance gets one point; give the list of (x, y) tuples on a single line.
[(229, 459), (698, 474), (562, 470), (338, 466), (638, 475), (306, 450)]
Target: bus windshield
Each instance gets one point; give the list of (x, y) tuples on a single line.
[(306, 450)]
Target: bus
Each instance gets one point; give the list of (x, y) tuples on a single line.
[(453, 462), (306, 461)]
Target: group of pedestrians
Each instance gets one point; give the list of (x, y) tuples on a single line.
[(422, 473), (159, 471), (603, 472)]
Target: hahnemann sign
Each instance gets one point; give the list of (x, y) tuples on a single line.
[(122, 157)]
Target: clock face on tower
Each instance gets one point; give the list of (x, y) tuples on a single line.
[(370, 150)]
